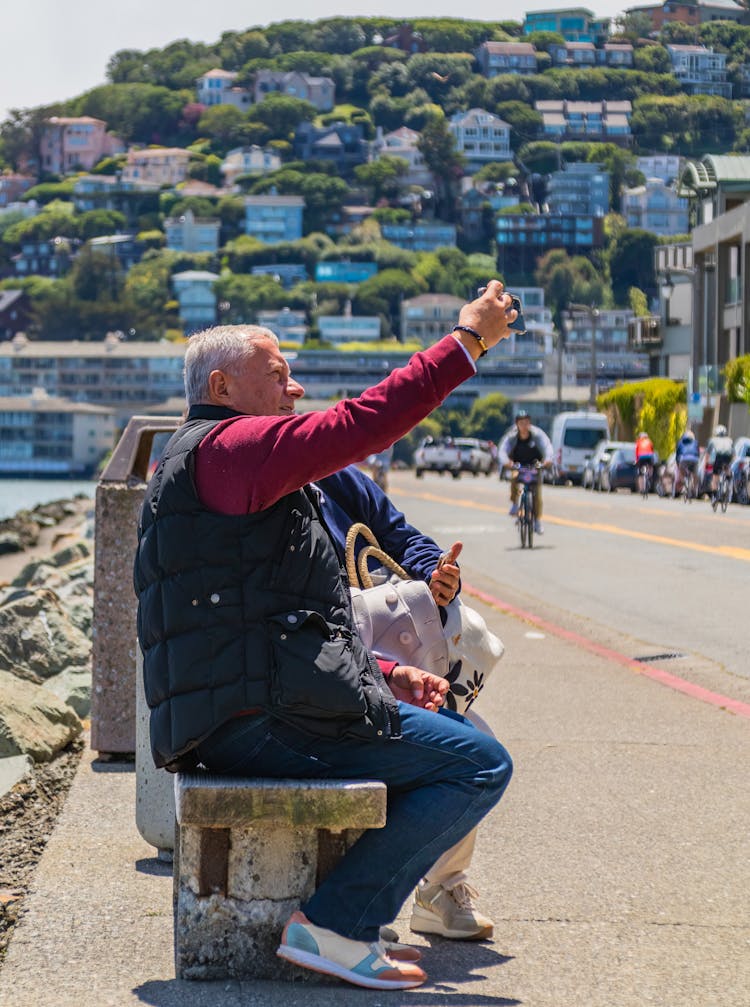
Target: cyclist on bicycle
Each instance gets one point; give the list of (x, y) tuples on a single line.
[(525, 444), (719, 450), (644, 457), (687, 455)]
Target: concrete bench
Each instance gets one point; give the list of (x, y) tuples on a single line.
[(247, 853)]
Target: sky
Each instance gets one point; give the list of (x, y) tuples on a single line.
[(63, 48)]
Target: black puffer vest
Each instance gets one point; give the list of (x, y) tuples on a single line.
[(240, 612)]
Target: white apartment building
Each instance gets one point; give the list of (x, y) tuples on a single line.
[(655, 207), (481, 136), (403, 143), (217, 87), (252, 160), (159, 165)]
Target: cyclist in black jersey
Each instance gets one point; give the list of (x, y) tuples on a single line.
[(525, 444)]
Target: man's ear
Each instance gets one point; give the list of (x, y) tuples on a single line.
[(218, 388)]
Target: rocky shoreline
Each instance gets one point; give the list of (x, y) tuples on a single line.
[(46, 608)]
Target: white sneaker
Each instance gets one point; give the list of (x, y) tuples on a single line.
[(437, 910)]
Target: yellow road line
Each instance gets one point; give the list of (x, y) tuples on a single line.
[(728, 551)]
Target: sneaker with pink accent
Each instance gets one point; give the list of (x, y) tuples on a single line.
[(359, 962)]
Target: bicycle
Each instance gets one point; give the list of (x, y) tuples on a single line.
[(689, 488), (527, 476), (722, 495), (644, 478)]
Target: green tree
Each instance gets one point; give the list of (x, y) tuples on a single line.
[(281, 114), (631, 263), (224, 124), (383, 176), (382, 295), (95, 223), (438, 148), (489, 417), (138, 113)]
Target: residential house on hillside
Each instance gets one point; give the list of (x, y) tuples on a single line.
[(406, 39), (74, 143), (252, 160), (615, 360), (13, 186), (496, 58), (110, 192), (349, 328), (188, 233), (194, 289), (663, 166), (217, 87), (160, 165), (15, 310), (522, 238), (427, 317), (576, 55), (656, 207), (274, 218), (580, 187), (290, 326), (319, 91), (480, 136), (285, 273), (700, 70), (691, 12), (344, 272), (122, 250), (341, 143), (402, 142), (617, 55), (52, 257), (604, 121), (575, 24), (420, 237)]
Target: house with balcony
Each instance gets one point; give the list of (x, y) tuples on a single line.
[(188, 233), (44, 436), (480, 136), (217, 87), (319, 91), (573, 55), (341, 143), (403, 143), (614, 357), (700, 70), (495, 58), (13, 186), (290, 326), (122, 250), (51, 257), (691, 12), (522, 238), (349, 328), (110, 192), (616, 55), (427, 317), (580, 187), (161, 166), (194, 289), (575, 24), (286, 273), (656, 207), (423, 236), (274, 218), (601, 121), (251, 160), (75, 143), (663, 166)]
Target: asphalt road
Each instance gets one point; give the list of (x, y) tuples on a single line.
[(652, 577)]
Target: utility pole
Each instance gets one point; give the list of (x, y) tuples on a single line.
[(593, 316)]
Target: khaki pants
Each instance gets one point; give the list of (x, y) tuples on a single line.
[(515, 491), (452, 868)]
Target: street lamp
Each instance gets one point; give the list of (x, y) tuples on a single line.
[(593, 314)]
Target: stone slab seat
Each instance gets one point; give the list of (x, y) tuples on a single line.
[(247, 853)]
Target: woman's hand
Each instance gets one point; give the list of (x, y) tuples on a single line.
[(445, 578), (418, 688)]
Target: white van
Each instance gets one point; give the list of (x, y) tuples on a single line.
[(574, 437)]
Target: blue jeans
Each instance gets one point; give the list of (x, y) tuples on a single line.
[(443, 776)]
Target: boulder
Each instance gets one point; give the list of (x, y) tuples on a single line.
[(33, 721), (10, 541), (37, 637), (73, 687)]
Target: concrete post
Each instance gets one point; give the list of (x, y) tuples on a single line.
[(119, 496)]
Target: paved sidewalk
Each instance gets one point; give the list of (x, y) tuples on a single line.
[(617, 867)]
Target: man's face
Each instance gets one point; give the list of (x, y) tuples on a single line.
[(524, 426), (261, 384)]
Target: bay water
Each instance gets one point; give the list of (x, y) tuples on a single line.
[(24, 494)]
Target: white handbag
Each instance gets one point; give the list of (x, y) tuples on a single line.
[(399, 620)]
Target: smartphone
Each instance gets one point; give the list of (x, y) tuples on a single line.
[(515, 302)]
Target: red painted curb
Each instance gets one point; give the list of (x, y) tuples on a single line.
[(657, 674)]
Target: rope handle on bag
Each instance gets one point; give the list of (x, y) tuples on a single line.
[(357, 570)]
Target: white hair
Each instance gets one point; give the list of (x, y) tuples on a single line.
[(218, 349)]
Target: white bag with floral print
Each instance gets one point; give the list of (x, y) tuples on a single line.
[(473, 653)]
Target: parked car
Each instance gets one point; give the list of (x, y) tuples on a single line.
[(437, 454), (592, 469), (476, 455), (620, 470), (574, 438)]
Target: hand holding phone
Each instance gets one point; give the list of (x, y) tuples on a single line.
[(519, 325)]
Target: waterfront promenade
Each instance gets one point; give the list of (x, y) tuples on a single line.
[(616, 868)]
